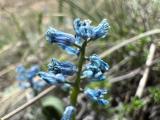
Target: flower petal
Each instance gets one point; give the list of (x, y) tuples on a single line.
[(68, 113), (52, 78), (55, 36), (96, 95)]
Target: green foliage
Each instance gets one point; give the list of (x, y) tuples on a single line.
[(127, 19), (155, 93), (123, 110), (135, 104), (52, 107)]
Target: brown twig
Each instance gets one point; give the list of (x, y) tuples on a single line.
[(132, 73), (24, 106), (7, 69), (126, 76), (131, 40), (121, 63), (143, 81)]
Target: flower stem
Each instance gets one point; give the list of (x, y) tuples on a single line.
[(76, 88)]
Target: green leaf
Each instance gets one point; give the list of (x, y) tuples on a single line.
[(52, 107)]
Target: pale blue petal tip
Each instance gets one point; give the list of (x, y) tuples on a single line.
[(95, 69), (97, 95), (68, 113)]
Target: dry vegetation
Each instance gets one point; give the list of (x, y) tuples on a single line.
[(135, 29)]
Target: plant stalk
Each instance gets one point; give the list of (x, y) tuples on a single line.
[(76, 88)]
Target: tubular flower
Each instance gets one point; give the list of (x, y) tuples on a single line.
[(84, 30), (93, 73), (24, 84), (95, 69), (96, 61), (65, 68), (52, 78), (55, 36), (70, 50), (21, 71), (27, 74), (39, 84), (64, 40), (32, 72), (26, 77), (96, 95), (68, 113)]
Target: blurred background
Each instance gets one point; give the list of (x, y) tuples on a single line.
[(134, 26)]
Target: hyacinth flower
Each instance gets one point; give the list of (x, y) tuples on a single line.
[(93, 73), (85, 31), (65, 68), (64, 40), (32, 72), (26, 78), (95, 69), (95, 60), (21, 71), (58, 72), (38, 84), (96, 95), (52, 78), (68, 113)]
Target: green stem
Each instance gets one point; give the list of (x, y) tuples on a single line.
[(60, 10), (76, 88)]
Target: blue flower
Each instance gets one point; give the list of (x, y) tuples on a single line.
[(24, 84), (93, 73), (96, 95), (64, 40), (95, 69), (65, 68), (27, 74), (52, 78), (58, 71), (84, 30), (21, 71), (68, 113), (61, 38), (38, 84), (32, 72), (27, 79), (70, 50), (101, 30), (66, 87), (96, 61)]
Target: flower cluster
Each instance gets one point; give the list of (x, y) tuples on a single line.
[(96, 95), (65, 68), (64, 40), (95, 69), (58, 72), (27, 78), (83, 31)]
